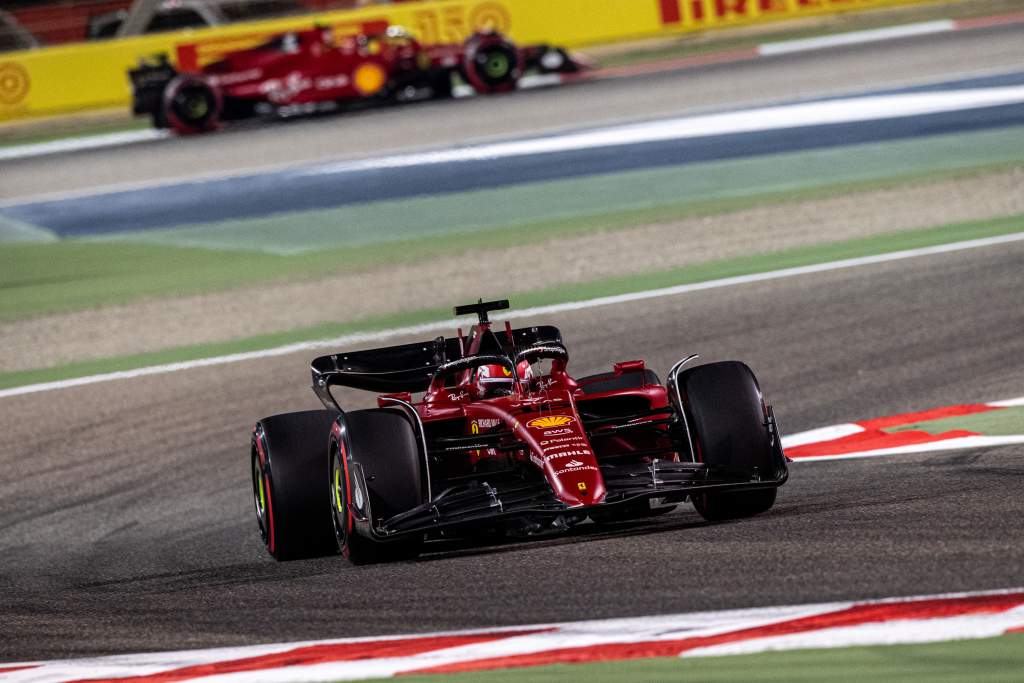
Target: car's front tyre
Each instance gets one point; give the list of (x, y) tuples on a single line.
[(491, 63), (383, 444), (190, 105), (729, 426)]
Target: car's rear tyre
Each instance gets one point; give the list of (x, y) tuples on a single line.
[(159, 117), (191, 105), (383, 444), (727, 420), (441, 85), (492, 64), (288, 454)]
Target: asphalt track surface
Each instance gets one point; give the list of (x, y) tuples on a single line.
[(893, 64), (126, 522)]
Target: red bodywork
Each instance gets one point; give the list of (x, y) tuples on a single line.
[(309, 66), (309, 70), (503, 440), (542, 412)]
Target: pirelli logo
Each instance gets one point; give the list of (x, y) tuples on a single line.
[(14, 83), (699, 12)]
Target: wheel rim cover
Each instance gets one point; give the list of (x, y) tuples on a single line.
[(496, 65), (195, 106), (338, 501), (259, 496)]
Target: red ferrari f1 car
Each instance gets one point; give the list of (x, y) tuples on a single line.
[(303, 72), (503, 440)]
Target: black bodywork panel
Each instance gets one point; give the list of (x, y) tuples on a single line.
[(410, 367), (480, 503), (148, 81)]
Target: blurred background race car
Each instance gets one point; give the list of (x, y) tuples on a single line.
[(304, 72)]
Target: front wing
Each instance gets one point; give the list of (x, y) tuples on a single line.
[(480, 503)]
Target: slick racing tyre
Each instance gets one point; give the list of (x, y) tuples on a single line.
[(289, 475), (441, 85), (382, 443), (191, 105), (727, 419), (159, 117), (492, 64)]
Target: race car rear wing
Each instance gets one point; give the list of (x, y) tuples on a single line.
[(410, 367)]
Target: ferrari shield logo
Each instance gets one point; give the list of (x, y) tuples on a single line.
[(582, 486)]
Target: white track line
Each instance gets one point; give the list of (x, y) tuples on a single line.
[(820, 434), (376, 336), (79, 144), (765, 50), (873, 634), (901, 621), (930, 447), (760, 119), (483, 148), (1009, 403), (84, 142), (857, 37)]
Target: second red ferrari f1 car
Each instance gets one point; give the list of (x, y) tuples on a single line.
[(302, 72), (503, 440)]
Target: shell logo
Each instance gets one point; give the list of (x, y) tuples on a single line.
[(549, 421), (14, 83), (369, 78), (490, 16)]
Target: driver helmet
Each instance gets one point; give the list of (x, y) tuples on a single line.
[(290, 42), (494, 380), (396, 32)]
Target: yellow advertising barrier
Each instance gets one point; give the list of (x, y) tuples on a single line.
[(94, 75)]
